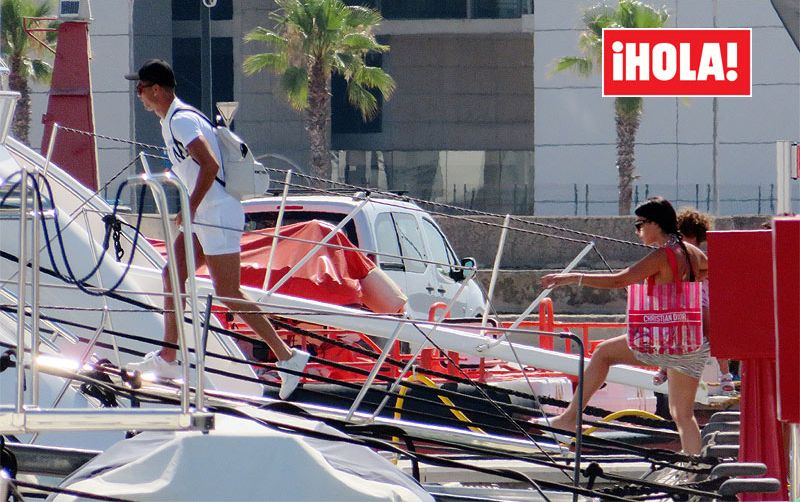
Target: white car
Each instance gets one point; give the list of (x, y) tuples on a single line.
[(392, 230)]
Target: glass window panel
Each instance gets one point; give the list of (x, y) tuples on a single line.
[(268, 219), (185, 58), (189, 10), (424, 9), (185, 10), (222, 64), (411, 243), (223, 11), (498, 9), (440, 251), (387, 242), (372, 4)]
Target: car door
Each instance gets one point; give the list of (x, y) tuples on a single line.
[(443, 258)]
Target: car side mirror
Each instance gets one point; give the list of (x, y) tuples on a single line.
[(466, 272)]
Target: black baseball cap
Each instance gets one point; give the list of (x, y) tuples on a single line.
[(155, 71)]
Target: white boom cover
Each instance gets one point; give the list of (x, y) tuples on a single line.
[(242, 460)]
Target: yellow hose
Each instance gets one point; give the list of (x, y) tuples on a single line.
[(623, 413)]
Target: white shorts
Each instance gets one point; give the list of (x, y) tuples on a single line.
[(219, 227)]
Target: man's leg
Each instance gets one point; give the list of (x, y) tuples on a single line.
[(170, 327), (224, 270)]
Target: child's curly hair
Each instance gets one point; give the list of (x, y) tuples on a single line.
[(693, 223)]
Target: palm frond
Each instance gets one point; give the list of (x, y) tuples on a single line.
[(260, 34), (362, 99), (363, 16), (41, 70), (581, 65), (324, 33), (266, 60), (358, 42), (375, 78), (345, 63), (295, 82)]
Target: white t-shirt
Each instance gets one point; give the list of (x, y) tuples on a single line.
[(186, 126)]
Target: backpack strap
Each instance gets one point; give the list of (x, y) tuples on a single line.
[(180, 150)]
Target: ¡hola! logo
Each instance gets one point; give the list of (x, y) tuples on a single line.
[(677, 62)]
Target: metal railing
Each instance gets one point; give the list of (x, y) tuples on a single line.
[(24, 418)]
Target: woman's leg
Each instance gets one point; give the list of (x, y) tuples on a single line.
[(610, 352), (682, 390)]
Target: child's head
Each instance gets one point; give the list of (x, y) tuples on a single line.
[(694, 225)]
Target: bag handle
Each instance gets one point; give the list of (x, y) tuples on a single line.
[(673, 265)]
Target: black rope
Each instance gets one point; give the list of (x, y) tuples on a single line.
[(288, 408), (111, 229), (546, 400), (148, 307), (475, 212), (81, 283)]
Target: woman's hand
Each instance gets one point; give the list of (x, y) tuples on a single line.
[(555, 280)]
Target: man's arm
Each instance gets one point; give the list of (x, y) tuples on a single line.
[(201, 152)]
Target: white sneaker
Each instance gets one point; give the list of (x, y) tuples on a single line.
[(289, 381), (153, 363)]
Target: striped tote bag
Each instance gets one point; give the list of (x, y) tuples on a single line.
[(665, 318)]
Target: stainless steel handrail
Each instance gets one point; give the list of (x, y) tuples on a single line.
[(155, 182)]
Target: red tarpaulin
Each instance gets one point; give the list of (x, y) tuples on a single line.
[(332, 275)]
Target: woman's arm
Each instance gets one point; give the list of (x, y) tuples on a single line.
[(636, 273)]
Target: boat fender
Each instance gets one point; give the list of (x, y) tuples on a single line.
[(380, 293)]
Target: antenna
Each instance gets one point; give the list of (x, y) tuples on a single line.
[(227, 109)]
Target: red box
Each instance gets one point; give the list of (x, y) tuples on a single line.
[(741, 313), (787, 315)]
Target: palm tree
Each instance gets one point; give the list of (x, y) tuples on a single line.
[(311, 40), (627, 110), (23, 55)]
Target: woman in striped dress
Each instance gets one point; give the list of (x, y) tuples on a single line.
[(656, 225)]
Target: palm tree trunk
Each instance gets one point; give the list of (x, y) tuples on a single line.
[(317, 121), (627, 125), (20, 127)]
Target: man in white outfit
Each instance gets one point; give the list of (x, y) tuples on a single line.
[(217, 222)]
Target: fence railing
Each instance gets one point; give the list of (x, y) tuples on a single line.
[(582, 199)]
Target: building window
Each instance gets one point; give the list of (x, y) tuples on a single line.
[(424, 9), (186, 58), (189, 10), (499, 181), (448, 9)]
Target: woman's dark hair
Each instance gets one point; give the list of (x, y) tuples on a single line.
[(659, 211)]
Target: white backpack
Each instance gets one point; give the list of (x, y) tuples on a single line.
[(242, 174)]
